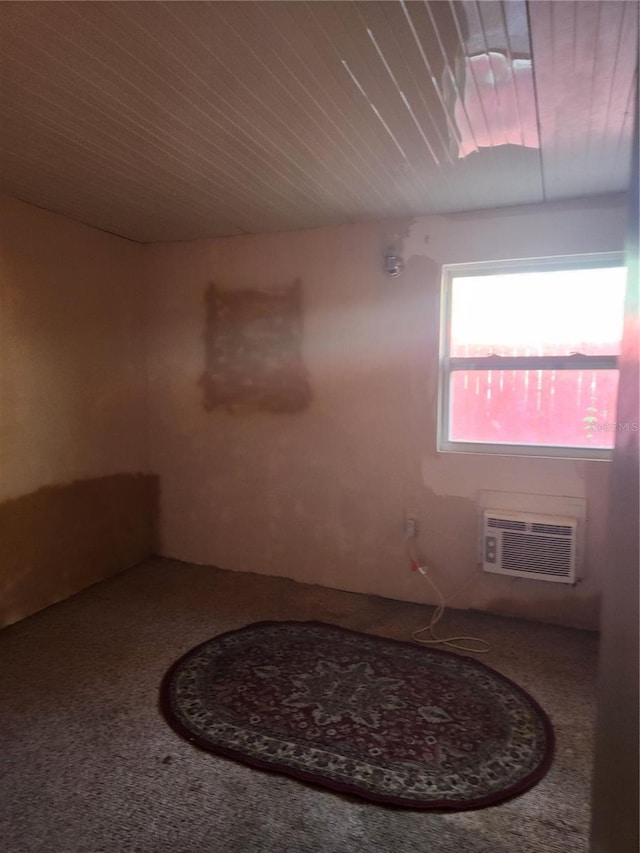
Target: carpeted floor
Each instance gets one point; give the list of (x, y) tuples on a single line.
[(89, 765)]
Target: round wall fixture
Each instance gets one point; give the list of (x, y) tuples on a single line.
[(393, 265)]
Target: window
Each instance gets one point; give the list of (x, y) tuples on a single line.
[(529, 356)]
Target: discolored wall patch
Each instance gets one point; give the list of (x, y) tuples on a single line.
[(252, 350), (60, 539)]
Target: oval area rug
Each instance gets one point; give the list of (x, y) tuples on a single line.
[(383, 719)]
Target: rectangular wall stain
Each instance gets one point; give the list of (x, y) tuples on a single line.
[(252, 350), (59, 539)]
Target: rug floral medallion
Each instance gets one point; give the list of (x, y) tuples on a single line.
[(382, 719)]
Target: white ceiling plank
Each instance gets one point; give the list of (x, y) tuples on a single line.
[(585, 57), (172, 120)]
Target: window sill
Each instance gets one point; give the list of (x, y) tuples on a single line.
[(587, 454)]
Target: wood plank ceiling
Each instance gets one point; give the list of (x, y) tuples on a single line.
[(171, 121)]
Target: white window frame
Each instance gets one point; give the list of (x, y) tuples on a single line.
[(448, 365)]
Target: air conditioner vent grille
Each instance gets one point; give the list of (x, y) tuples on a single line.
[(506, 524), (554, 529), (540, 554)]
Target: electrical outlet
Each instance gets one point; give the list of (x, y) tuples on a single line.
[(410, 526)]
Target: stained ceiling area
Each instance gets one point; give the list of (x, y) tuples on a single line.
[(172, 121)]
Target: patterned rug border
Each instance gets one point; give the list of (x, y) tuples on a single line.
[(352, 790)]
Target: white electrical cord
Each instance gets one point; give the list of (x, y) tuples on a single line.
[(461, 644)]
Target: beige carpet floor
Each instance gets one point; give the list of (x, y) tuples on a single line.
[(89, 766)]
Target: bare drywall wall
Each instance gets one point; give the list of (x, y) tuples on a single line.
[(72, 389), (252, 350), (320, 495), (59, 539)]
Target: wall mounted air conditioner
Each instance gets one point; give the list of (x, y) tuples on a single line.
[(526, 545)]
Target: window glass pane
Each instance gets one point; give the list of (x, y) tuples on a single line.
[(565, 408), (553, 312)]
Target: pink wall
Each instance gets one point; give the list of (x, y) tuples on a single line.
[(72, 351), (320, 495), (74, 507)]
